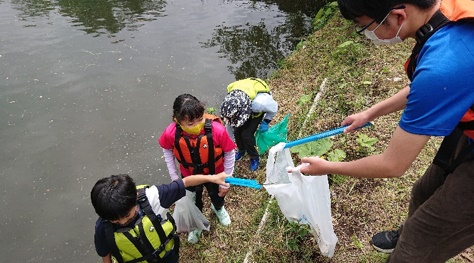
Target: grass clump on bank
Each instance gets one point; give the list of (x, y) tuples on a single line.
[(356, 74)]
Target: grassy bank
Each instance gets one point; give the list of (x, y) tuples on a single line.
[(358, 75)]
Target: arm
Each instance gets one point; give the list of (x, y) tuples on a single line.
[(395, 103), (107, 259), (168, 194), (402, 150), (170, 163), (200, 179), (100, 241), (229, 162), (264, 102)]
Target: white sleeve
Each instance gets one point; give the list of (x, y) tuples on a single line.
[(229, 162), (154, 199), (264, 102), (170, 163)]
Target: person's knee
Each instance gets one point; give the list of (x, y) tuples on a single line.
[(403, 252), (248, 135)]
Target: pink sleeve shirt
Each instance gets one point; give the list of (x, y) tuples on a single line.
[(219, 135)]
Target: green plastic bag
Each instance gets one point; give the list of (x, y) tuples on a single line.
[(275, 134)]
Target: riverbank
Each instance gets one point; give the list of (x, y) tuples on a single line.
[(356, 74)]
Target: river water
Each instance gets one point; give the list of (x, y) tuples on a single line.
[(86, 88)]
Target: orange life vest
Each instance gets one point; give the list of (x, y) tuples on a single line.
[(449, 11), (198, 153)]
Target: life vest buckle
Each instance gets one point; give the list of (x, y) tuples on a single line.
[(208, 125), (156, 254), (141, 198), (423, 31)]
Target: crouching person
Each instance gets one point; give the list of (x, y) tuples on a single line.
[(134, 224)]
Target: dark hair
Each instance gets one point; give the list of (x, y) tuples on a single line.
[(186, 106), (113, 197), (377, 9)]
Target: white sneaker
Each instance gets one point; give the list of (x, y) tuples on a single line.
[(193, 236), (222, 215)]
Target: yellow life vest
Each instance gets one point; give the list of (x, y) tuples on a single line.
[(251, 86), (149, 240)]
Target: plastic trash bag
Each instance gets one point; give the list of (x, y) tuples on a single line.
[(302, 199), (187, 216), (275, 134)]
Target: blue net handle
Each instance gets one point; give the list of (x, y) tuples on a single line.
[(243, 182), (321, 135)]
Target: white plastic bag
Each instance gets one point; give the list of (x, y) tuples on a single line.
[(187, 216), (302, 199)]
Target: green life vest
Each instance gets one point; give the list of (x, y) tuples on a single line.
[(149, 240), (251, 86)]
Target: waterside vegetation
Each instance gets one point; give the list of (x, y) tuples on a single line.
[(350, 74)]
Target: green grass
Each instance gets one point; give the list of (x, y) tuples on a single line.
[(358, 75)]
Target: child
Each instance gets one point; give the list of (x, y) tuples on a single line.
[(201, 145), (129, 216), (247, 105)]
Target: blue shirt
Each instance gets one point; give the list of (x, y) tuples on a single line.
[(443, 82)]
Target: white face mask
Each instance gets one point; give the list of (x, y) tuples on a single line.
[(376, 40)]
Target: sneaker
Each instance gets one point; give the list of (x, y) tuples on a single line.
[(222, 215), (385, 241), (193, 236), (254, 163), (239, 154)]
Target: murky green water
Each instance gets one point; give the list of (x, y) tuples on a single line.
[(86, 88)]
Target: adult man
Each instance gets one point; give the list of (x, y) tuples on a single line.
[(438, 102)]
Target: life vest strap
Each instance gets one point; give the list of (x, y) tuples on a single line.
[(210, 142), (155, 255), (146, 207), (143, 249), (201, 165), (469, 125), (147, 246), (437, 21), (156, 221), (177, 137), (447, 147)]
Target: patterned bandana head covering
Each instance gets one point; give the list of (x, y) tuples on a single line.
[(236, 108)]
